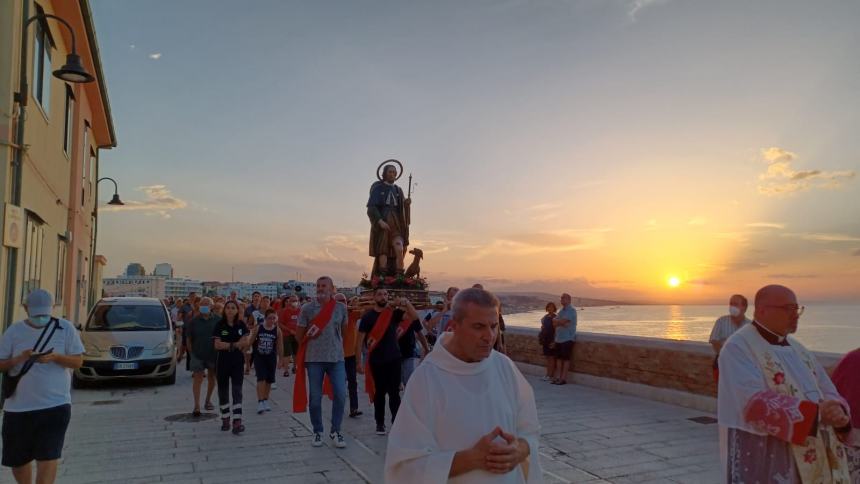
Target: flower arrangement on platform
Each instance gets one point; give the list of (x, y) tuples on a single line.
[(399, 281)]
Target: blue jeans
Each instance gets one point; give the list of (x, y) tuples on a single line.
[(337, 376), (406, 368)]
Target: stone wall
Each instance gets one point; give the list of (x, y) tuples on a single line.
[(677, 365)]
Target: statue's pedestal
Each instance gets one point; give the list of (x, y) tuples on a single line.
[(420, 298)]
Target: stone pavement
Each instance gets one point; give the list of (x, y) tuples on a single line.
[(119, 435)]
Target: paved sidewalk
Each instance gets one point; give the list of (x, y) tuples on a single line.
[(119, 435)]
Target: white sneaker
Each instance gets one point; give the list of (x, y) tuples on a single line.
[(267, 405), (337, 438), (274, 386), (545, 378), (317, 441), (261, 407)]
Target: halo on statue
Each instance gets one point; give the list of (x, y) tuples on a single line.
[(387, 162)]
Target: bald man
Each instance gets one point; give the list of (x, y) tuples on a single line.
[(781, 419)]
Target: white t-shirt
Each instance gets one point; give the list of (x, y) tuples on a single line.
[(46, 385), (724, 327)]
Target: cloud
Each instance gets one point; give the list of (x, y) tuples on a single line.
[(131, 47), (637, 6), (775, 154), (155, 56), (540, 212), (821, 237), (781, 179), (541, 242), (158, 201), (737, 237), (792, 276), (697, 221), (766, 225)]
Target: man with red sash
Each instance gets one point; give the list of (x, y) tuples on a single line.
[(320, 335), (781, 418), (380, 329)]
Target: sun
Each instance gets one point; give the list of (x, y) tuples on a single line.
[(673, 281)]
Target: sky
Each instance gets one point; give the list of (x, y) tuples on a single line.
[(599, 147)]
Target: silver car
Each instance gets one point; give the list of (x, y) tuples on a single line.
[(128, 338)]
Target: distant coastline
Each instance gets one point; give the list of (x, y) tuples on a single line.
[(523, 302)]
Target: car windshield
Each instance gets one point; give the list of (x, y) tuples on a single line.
[(124, 317)]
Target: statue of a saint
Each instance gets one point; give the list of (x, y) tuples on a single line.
[(388, 211)]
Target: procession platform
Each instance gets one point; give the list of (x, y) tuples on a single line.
[(119, 434)]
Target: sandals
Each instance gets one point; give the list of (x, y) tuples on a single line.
[(209, 406), (196, 413)]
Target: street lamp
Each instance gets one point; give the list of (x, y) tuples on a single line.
[(72, 71), (115, 200)]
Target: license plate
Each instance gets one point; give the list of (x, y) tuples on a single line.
[(125, 366)]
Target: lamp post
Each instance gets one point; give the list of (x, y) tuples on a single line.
[(72, 71), (113, 201)]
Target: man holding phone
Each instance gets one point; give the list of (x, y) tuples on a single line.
[(39, 352)]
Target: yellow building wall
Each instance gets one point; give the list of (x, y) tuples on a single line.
[(52, 179)]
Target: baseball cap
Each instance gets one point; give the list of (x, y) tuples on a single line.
[(40, 303)]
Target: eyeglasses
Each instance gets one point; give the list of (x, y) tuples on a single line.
[(790, 308)]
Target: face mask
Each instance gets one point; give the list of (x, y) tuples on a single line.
[(734, 311), (295, 304), (204, 309), (40, 321)]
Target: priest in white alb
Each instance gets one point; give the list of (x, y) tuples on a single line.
[(781, 418), (468, 415)]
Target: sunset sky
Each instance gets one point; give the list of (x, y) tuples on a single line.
[(600, 147)]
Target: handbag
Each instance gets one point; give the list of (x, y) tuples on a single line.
[(10, 382)]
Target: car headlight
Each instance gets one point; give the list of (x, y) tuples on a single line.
[(92, 350), (161, 349)]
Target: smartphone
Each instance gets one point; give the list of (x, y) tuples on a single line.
[(39, 355)]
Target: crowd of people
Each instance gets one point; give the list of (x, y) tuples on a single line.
[(782, 417)]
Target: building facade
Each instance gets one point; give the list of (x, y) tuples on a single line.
[(49, 181), (181, 287), (135, 269), (164, 270), (135, 286)]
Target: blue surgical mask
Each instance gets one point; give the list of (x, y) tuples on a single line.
[(40, 321), (204, 309)]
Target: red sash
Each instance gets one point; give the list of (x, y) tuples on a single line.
[(373, 338), (300, 388)]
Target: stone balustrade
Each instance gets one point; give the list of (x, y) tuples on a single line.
[(684, 366)]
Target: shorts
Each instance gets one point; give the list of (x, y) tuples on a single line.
[(197, 365), (266, 366), (36, 435), (564, 351), (549, 350), (291, 345)]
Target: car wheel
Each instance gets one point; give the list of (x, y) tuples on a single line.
[(170, 380)]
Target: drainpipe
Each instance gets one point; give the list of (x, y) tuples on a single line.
[(17, 172)]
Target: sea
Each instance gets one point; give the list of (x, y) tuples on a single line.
[(823, 327)]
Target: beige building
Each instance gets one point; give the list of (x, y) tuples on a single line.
[(135, 286), (49, 182)]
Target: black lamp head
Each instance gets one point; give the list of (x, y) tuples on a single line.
[(115, 200), (73, 70)]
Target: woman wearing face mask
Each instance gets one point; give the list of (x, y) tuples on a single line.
[(727, 325), (231, 339)]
